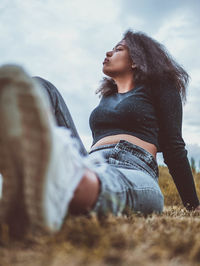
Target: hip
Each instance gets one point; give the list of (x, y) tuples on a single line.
[(127, 155)]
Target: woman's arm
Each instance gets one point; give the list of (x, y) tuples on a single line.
[(169, 112)]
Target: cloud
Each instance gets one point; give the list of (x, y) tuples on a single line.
[(152, 14)]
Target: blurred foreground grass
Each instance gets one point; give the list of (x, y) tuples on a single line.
[(172, 238)]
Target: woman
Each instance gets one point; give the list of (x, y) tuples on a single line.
[(140, 113)]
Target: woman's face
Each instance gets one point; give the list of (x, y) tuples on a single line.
[(118, 61)]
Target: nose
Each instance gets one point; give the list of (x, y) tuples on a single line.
[(109, 53)]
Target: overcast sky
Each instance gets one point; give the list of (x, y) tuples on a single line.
[(66, 41)]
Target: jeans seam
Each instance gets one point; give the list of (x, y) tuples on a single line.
[(147, 188)]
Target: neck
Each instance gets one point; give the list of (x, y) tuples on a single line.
[(124, 83)]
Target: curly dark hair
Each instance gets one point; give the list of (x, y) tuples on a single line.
[(154, 65)]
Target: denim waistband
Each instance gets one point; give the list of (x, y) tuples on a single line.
[(145, 158)]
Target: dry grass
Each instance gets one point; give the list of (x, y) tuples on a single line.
[(168, 187), (168, 239)]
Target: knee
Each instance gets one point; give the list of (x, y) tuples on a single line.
[(45, 84), (49, 89), (86, 194)]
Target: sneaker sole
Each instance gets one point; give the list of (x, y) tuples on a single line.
[(24, 128), (10, 149)]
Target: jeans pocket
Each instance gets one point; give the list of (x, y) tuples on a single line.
[(118, 159)]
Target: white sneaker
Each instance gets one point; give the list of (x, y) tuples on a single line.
[(55, 186), (51, 188), (34, 153), (10, 146)]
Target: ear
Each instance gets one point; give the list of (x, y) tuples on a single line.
[(133, 66)]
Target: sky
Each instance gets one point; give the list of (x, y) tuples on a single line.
[(65, 42)]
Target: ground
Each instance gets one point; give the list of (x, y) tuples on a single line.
[(171, 238)]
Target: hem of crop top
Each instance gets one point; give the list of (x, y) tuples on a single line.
[(139, 135)]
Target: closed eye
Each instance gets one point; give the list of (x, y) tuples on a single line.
[(118, 48)]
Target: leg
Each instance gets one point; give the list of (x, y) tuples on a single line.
[(60, 109), (121, 189), (40, 162), (129, 181), (127, 191), (115, 191), (86, 194)]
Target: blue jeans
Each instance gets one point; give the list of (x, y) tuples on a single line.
[(129, 180), (128, 175)]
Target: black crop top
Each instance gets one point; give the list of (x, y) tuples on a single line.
[(125, 113), (155, 116)]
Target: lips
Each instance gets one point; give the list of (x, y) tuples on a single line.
[(105, 61)]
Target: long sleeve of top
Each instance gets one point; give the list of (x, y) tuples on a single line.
[(168, 106)]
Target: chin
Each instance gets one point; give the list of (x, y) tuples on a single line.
[(107, 72)]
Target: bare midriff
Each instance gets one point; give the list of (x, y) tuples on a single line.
[(151, 148)]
